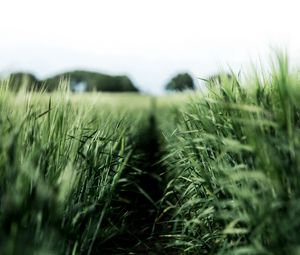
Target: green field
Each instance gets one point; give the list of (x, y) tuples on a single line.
[(212, 172)]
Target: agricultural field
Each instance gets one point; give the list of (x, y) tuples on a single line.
[(211, 172)]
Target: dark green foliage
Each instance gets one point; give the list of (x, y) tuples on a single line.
[(16, 80), (181, 82), (94, 81)]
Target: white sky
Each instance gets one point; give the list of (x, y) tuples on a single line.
[(148, 40)]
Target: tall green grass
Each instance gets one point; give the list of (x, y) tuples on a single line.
[(205, 173), (232, 156), (61, 159)]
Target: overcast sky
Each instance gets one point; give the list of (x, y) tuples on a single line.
[(148, 40)]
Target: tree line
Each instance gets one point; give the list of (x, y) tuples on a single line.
[(86, 81), (92, 81)]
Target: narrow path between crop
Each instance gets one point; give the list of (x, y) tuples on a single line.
[(138, 198)]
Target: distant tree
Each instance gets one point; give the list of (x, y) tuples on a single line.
[(79, 81), (94, 81), (181, 82), (20, 79), (125, 84)]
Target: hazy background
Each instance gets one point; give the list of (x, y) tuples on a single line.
[(148, 40)]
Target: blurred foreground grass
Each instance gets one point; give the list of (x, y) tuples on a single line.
[(61, 157), (232, 155)]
